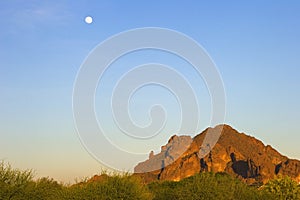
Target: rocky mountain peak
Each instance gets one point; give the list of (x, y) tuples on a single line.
[(238, 154)]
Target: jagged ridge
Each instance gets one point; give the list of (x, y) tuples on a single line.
[(236, 153)]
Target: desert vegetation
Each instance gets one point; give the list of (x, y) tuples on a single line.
[(18, 184)]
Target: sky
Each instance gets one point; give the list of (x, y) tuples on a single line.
[(255, 46)]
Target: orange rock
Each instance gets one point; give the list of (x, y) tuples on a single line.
[(235, 153)]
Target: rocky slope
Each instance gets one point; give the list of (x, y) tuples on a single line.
[(238, 154)]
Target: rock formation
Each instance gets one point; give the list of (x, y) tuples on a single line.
[(236, 153)]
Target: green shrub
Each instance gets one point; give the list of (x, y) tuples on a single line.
[(13, 182), (114, 187), (44, 188), (19, 185), (283, 188), (206, 186)]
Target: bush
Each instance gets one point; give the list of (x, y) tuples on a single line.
[(114, 187), (44, 188), (19, 185), (13, 182), (283, 188), (206, 186)]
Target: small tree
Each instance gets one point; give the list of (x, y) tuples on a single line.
[(13, 182), (44, 188), (283, 188)]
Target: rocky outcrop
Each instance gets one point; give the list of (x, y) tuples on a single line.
[(175, 147), (290, 167), (236, 153)]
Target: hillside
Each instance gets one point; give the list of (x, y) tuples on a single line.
[(235, 153)]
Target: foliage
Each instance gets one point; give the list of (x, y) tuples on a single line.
[(44, 188), (13, 182), (19, 185), (284, 188), (206, 186), (114, 187)]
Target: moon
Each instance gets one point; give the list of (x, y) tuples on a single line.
[(88, 20)]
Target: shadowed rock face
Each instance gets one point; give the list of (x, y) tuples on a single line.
[(238, 154)]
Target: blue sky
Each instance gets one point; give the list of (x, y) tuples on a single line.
[(254, 44)]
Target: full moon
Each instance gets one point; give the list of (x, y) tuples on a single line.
[(88, 19)]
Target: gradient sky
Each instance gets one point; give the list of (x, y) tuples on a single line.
[(255, 45)]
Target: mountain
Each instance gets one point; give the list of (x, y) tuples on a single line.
[(235, 153)]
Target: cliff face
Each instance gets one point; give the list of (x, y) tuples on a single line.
[(238, 154)]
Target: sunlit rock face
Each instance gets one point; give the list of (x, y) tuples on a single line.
[(235, 153), (170, 152)]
